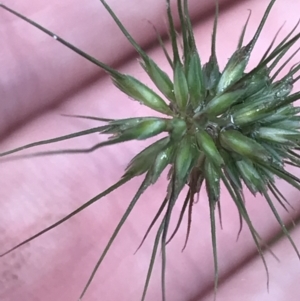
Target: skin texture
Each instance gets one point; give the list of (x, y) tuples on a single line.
[(41, 80)]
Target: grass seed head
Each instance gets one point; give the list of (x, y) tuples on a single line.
[(233, 127)]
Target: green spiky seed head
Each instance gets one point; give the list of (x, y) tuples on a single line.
[(233, 127)]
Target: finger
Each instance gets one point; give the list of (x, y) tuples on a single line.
[(37, 72), (248, 281)]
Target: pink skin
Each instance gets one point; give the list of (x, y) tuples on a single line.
[(37, 192)]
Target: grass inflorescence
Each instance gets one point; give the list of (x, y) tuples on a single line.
[(228, 127)]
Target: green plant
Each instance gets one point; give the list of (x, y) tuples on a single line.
[(232, 127)]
